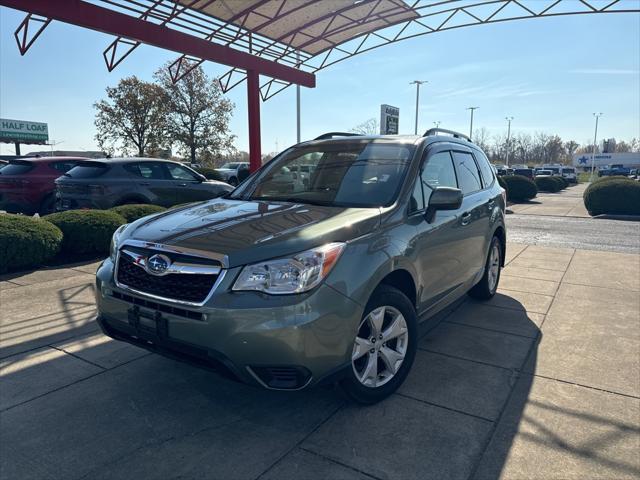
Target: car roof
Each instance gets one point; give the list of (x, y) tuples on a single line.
[(124, 160), (398, 139), (49, 159)]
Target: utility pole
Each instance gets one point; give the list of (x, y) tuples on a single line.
[(471, 126), (417, 84), (437, 123), (595, 140), (508, 119)]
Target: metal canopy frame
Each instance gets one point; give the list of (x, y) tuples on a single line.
[(248, 41)]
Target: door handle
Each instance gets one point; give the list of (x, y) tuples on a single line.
[(465, 218), (182, 184)]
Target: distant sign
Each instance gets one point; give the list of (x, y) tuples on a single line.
[(23, 132), (626, 159), (389, 120)]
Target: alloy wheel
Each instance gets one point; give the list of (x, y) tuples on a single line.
[(380, 346)]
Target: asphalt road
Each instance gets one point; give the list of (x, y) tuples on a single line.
[(572, 232)]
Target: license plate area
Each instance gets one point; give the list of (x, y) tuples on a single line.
[(148, 324)]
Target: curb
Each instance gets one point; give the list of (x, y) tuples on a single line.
[(628, 218)]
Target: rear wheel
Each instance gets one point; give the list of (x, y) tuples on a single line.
[(384, 347), (48, 205), (487, 286)]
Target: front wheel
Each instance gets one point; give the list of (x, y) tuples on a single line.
[(488, 285), (384, 347)]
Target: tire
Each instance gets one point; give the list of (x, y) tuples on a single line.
[(357, 384), (488, 285), (48, 205)]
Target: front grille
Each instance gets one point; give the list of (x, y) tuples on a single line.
[(188, 287)]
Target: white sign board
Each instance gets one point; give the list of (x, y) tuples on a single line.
[(627, 160), (389, 120)]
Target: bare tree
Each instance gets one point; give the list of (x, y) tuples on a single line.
[(133, 117), (370, 127)]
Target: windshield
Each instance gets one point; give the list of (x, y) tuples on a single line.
[(16, 168), (362, 174), (87, 170), (569, 170), (231, 166)]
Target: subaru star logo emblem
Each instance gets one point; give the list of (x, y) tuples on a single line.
[(158, 264)]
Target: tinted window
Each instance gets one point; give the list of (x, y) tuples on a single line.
[(438, 172), (417, 200), (146, 170), (88, 170), (16, 168), (178, 172), (485, 169), (63, 166), (358, 174), (468, 176)]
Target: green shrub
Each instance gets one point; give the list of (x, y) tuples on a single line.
[(132, 213), (26, 242), (548, 184), (562, 182), (86, 231), (616, 196), (519, 188), (210, 173)]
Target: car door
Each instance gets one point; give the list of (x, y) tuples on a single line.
[(188, 187), (473, 222), (150, 182), (436, 244)]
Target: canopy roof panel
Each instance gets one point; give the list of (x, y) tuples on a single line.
[(310, 26)]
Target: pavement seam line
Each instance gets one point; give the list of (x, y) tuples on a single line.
[(64, 339), (518, 254), (490, 329), (76, 356), (604, 390), (298, 443), (467, 359), (74, 383), (337, 462), (437, 405)]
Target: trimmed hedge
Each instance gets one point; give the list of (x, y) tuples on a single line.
[(548, 184), (519, 188), (26, 242), (210, 173), (132, 213), (616, 196), (86, 231)]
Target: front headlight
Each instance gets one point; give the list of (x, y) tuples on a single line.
[(115, 241), (297, 274)]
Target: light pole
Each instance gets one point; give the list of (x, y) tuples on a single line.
[(508, 119), (417, 84), (437, 123), (595, 140), (53, 144), (471, 126), (298, 102)]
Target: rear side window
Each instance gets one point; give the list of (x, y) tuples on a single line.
[(88, 170), (63, 166), (468, 175), (485, 169), (16, 168), (148, 170)]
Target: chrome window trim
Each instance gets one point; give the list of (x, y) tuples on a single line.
[(221, 275)]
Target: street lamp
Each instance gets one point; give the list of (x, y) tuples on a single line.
[(437, 123), (508, 119), (471, 126), (595, 140), (417, 84)]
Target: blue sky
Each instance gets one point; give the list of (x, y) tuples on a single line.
[(550, 74)]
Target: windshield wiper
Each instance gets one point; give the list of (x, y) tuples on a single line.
[(295, 200)]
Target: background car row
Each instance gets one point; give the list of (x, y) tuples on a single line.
[(47, 184), (569, 173)]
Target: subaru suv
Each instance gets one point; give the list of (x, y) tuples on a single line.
[(290, 285)]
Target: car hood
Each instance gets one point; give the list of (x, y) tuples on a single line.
[(244, 232)]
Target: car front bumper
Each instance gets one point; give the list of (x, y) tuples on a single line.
[(280, 342)]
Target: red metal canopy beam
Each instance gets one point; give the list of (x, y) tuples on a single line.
[(83, 14)]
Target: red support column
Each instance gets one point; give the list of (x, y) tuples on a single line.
[(253, 103)]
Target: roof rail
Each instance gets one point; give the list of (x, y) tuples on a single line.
[(326, 136), (435, 131)]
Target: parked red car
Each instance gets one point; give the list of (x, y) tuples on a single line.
[(27, 184)]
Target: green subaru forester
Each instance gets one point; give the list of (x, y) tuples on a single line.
[(318, 267)]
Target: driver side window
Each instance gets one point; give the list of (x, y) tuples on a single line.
[(438, 172)]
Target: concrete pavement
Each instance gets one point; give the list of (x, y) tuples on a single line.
[(542, 382), (566, 203)]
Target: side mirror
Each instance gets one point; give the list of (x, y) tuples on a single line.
[(443, 198), (202, 178)]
